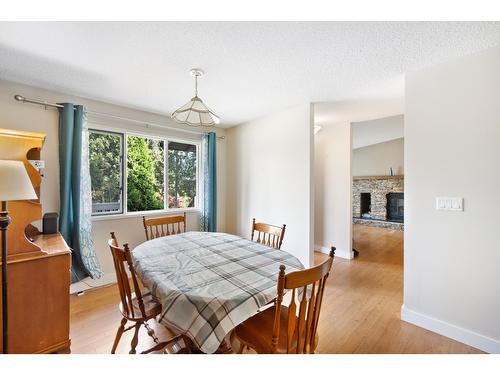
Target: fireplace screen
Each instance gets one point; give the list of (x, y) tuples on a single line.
[(395, 207)]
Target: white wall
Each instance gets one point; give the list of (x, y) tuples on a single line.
[(269, 163), (452, 148), (29, 117), (366, 133), (376, 160), (333, 184)]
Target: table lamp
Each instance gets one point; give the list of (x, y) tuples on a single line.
[(15, 185)]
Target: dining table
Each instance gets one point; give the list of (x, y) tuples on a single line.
[(209, 282)]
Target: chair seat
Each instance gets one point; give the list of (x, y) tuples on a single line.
[(257, 331), (151, 306)]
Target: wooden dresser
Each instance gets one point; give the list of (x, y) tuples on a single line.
[(38, 264)]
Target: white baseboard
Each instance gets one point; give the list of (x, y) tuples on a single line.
[(454, 332), (89, 283), (338, 253)]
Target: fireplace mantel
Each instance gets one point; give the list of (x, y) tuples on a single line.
[(399, 176)]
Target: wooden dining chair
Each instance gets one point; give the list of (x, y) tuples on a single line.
[(267, 234), (164, 226), (135, 307), (292, 328)]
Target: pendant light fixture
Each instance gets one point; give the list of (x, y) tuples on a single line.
[(195, 112)]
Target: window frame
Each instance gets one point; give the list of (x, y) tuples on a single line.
[(198, 169), (122, 177), (124, 132)]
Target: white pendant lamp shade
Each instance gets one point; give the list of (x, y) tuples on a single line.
[(15, 184), (195, 112)]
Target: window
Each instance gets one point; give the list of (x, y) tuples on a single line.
[(182, 168), (105, 161), (145, 174), (160, 173)]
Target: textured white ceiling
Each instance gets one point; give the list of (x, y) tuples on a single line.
[(251, 68)]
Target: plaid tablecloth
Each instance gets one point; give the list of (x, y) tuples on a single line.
[(208, 283)]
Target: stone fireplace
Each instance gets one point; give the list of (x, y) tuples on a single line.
[(379, 201)]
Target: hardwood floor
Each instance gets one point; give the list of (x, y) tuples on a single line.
[(360, 312), (363, 297)]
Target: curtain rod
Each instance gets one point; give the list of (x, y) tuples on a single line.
[(46, 104)]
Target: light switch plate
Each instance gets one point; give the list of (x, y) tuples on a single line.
[(450, 203)]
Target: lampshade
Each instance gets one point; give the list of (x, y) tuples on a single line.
[(15, 184), (195, 112)]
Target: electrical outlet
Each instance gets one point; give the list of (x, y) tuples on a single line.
[(38, 164)]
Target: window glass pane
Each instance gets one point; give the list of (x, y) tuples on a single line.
[(182, 164), (145, 174), (105, 151)]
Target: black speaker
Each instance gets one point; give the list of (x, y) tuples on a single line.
[(50, 223)]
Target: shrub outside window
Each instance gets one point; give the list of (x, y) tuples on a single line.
[(182, 172)]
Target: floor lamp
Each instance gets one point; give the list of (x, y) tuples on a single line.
[(15, 185)]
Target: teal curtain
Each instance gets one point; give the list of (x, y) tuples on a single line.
[(209, 165), (75, 192)]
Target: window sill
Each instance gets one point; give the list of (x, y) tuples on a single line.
[(130, 215)]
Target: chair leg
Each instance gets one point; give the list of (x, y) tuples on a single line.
[(157, 347), (151, 333), (135, 339), (162, 345), (119, 335)]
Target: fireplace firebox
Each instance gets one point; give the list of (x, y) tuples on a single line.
[(365, 205)]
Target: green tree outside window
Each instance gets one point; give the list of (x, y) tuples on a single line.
[(145, 166)]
